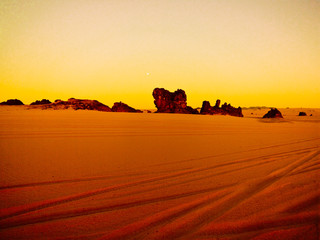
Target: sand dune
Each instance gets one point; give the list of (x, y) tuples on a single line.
[(103, 175)]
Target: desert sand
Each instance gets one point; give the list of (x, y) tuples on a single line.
[(68, 174)]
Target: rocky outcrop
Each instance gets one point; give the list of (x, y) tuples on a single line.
[(171, 102), (42, 102), (122, 107), (225, 109), (302, 114), (78, 104), (273, 113), (12, 102)]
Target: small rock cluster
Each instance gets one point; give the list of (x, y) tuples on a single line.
[(225, 109), (122, 107), (42, 102), (12, 102)]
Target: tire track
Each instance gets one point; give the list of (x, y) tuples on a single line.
[(74, 180), (85, 179), (256, 224), (190, 222), (305, 171), (93, 210), (18, 210), (133, 174), (198, 219), (314, 162), (233, 153), (161, 217)]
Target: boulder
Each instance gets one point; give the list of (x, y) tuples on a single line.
[(12, 102), (171, 102), (42, 102), (302, 114), (122, 107), (225, 109), (273, 113)]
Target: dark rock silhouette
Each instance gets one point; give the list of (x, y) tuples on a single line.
[(12, 102), (273, 113), (311, 115), (302, 114), (122, 107), (171, 102), (225, 109), (43, 101), (78, 104)]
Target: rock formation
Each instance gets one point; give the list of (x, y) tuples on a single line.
[(77, 104), (273, 113), (12, 102), (225, 109), (43, 101), (122, 107), (171, 102), (302, 114)]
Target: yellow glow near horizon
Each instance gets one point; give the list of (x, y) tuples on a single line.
[(248, 53)]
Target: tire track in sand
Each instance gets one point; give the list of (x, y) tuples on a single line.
[(18, 210), (100, 209), (105, 208), (133, 174), (189, 222), (283, 215), (252, 225), (249, 150)]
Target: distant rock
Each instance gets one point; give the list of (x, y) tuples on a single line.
[(171, 102), (42, 102), (12, 102), (225, 109), (302, 114), (273, 113), (122, 107), (78, 104)]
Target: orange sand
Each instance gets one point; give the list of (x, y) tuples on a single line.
[(68, 174)]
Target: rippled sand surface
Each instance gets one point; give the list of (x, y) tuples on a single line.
[(99, 175)]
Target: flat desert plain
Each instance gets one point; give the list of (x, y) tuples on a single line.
[(68, 174)]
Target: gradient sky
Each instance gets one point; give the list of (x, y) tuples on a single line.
[(246, 52)]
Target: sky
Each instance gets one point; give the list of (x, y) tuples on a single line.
[(244, 52)]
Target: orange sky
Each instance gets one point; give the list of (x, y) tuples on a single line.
[(246, 52)]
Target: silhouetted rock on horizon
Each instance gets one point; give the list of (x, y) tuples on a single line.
[(302, 114), (42, 102), (122, 107), (78, 104), (225, 109), (273, 113), (171, 102), (12, 102)]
